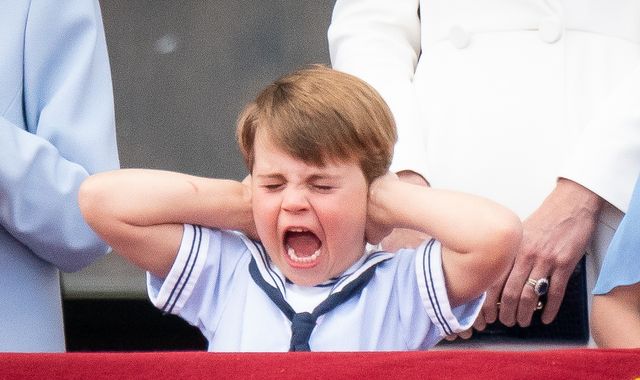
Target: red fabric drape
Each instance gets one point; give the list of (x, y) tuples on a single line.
[(450, 364)]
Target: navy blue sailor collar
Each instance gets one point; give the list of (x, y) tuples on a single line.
[(274, 277)]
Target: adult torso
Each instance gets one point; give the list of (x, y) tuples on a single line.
[(506, 86)]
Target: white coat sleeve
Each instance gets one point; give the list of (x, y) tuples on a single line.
[(379, 42), (67, 132), (606, 157)]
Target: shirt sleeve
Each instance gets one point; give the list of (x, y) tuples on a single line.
[(379, 42), (433, 293), (606, 157), (64, 133), (202, 277)]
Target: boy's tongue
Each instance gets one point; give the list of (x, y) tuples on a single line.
[(304, 243)]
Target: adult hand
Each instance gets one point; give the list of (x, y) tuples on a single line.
[(555, 237), (490, 308), (402, 237)]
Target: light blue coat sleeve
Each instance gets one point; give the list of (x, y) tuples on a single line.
[(56, 125), (621, 266)]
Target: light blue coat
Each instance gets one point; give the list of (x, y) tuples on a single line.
[(56, 128), (621, 266)]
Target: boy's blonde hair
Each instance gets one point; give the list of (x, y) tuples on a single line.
[(317, 115)]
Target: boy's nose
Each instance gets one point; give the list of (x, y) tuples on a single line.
[(294, 199)]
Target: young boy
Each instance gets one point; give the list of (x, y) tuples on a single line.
[(278, 262)]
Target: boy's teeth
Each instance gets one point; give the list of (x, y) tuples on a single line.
[(292, 254)]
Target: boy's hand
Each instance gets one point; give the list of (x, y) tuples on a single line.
[(402, 237), (466, 334), (378, 226), (250, 229)]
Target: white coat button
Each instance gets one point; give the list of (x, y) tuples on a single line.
[(459, 37), (550, 30)]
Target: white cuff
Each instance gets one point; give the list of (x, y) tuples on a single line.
[(170, 294), (434, 295)]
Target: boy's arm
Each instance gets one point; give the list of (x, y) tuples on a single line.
[(479, 237), (140, 213)]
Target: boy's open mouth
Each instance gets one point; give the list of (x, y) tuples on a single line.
[(302, 245)]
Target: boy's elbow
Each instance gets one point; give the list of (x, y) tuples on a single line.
[(506, 242), (91, 201), (86, 193)]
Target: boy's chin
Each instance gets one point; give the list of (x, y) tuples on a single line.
[(306, 281), (306, 277)]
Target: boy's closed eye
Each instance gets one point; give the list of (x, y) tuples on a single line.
[(272, 186), (315, 187), (323, 188)]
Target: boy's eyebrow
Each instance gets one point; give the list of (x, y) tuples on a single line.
[(324, 176), (311, 178), (270, 176)]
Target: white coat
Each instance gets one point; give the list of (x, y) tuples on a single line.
[(501, 97)]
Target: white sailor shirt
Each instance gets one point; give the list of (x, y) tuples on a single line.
[(403, 307)]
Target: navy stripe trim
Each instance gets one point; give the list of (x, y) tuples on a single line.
[(434, 292), (431, 291), (175, 286), (190, 262), (193, 265), (271, 291), (279, 283), (366, 264), (342, 278)]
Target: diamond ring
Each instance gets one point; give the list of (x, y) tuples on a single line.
[(540, 287)]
